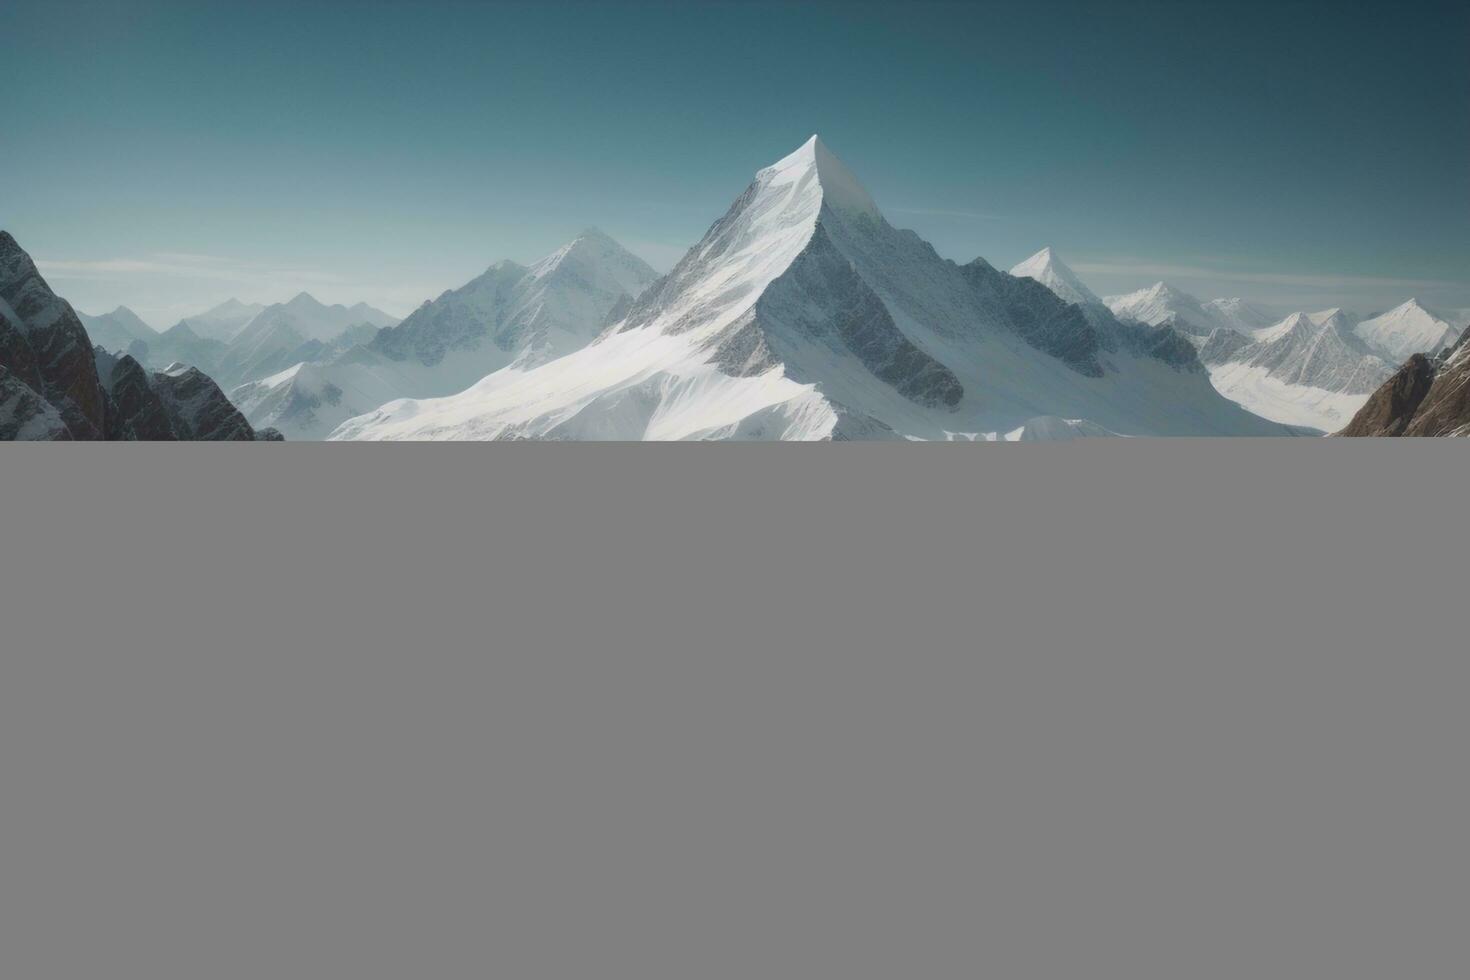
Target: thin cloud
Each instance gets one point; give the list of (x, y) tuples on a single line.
[(181, 266), (1156, 270), (947, 213)]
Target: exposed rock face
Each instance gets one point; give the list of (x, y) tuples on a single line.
[(1040, 317), (25, 415), (1391, 408), (59, 352), (16, 353), (1426, 397), (826, 303), (136, 414), (198, 408)]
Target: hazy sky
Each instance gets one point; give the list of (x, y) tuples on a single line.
[(168, 155)]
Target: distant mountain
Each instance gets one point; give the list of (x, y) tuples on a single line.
[(223, 321), (1427, 396), (118, 330), (1239, 315), (802, 314), (266, 341), (180, 344), (518, 315), (1162, 304), (1310, 370), (1408, 329), (313, 320), (511, 314)]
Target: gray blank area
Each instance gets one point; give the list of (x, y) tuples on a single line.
[(1166, 709)]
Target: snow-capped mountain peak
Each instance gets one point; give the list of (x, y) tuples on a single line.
[(1408, 328), (1162, 303), (595, 257), (813, 164), (1049, 270)]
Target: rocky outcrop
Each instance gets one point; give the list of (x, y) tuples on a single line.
[(1391, 408), (198, 409), (25, 415), (136, 412), (56, 350), (1425, 397), (822, 301), (1039, 317)]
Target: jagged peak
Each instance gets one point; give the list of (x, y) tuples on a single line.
[(1040, 262), (1047, 268)]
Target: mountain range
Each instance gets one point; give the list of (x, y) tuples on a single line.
[(1307, 369), (511, 317), (237, 342), (803, 314)]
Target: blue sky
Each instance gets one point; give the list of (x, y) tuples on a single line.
[(168, 155)]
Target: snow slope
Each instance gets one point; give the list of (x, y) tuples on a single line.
[(802, 314), (308, 400)]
